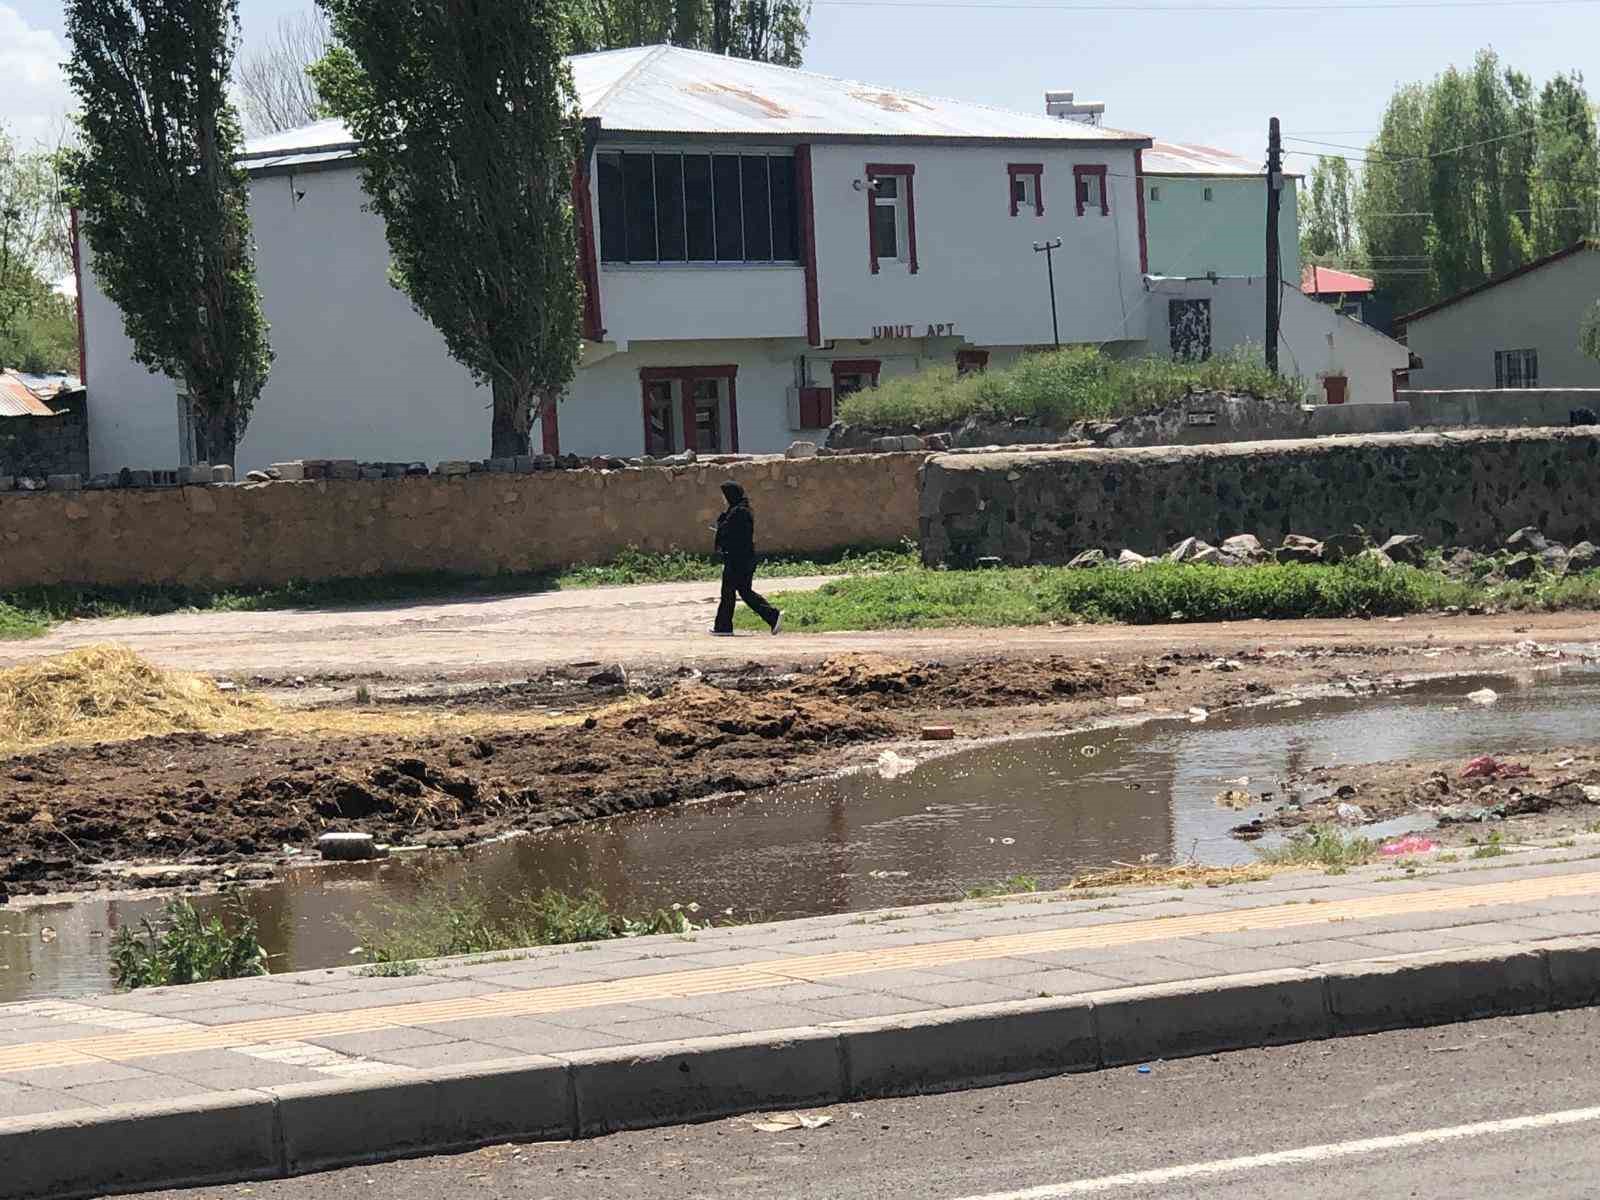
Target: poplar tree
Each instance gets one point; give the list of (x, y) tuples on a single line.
[(468, 129), (163, 201)]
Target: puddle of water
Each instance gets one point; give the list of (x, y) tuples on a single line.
[(1048, 807)]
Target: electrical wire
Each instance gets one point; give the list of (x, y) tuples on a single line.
[(1200, 9)]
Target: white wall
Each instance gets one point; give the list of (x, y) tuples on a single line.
[(1540, 310), (1314, 340), (977, 268), (724, 300), (359, 374)]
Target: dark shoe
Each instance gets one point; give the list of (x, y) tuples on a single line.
[(722, 633), (777, 625)]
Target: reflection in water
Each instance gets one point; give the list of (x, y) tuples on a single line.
[(1048, 807)]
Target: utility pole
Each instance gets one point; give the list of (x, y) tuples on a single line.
[(1274, 263), (1048, 249)]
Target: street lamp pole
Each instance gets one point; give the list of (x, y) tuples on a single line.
[(1048, 250)]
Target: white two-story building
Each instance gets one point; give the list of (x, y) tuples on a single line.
[(755, 241)]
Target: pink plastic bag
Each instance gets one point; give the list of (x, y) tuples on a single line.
[(1412, 843), (1487, 766)]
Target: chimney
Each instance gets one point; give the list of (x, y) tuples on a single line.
[(1063, 106)]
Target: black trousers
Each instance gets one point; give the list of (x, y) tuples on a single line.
[(738, 582)]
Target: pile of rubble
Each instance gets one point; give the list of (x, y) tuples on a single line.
[(1527, 552)]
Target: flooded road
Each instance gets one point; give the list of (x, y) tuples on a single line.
[(1046, 807)]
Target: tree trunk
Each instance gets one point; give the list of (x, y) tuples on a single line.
[(512, 420), (217, 432)]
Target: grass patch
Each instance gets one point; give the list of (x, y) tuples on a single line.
[(468, 919), (30, 612), (1156, 594), (1492, 848), (1055, 388), (186, 949), (390, 970), (1012, 885), (1322, 846)]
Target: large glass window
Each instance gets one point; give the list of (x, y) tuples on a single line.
[(657, 207)]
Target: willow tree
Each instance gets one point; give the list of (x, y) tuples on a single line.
[(468, 126), (163, 200)]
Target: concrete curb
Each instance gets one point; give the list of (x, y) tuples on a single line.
[(277, 1132)]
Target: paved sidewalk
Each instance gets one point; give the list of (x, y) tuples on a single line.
[(1298, 955)]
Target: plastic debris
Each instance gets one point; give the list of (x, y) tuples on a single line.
[(1483, 696), (1145, 1069), (887, 874), (938, 733), (1353, 813), (1412, 843), (1197, 715), (892, 765), (1235, 799), (788, 1122), (1487, 766), (1130, 701)]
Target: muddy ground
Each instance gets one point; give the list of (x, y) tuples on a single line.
[(71, 818), (1531, 795)]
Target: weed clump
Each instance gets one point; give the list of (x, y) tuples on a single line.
[(186, 949)]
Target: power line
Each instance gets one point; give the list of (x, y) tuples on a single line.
[(1395, 160), (1370, 5)]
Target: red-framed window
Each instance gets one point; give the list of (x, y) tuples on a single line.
[(1089, 185), (1025, 181), (690, 408), (853, 375), (971, 362), (891, 214)]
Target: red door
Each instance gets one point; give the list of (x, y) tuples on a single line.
[(1334, 386)]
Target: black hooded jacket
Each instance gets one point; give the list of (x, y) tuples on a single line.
[(736, 527)]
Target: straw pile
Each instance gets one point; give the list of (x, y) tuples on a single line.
[(106, 693)]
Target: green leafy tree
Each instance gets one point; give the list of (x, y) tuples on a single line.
[(468, 127), (1566, 167), (1391, 202), (1455, 238), (1328, 231), (1489, 165), (163, 200), (33, 252)]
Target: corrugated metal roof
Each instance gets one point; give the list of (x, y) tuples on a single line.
[(667, 89), (1325, 281), (16, 400), (1184, 158)]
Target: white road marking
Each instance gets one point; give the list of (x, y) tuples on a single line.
[(1292, 1158)]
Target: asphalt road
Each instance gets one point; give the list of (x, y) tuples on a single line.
[(1480, 1110)]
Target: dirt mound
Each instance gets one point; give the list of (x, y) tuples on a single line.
[(195, 798), (104, 693), (984, 684)]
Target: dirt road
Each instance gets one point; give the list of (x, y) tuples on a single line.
[(506, 637)]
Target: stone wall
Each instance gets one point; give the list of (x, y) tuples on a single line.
[(263, 533), (1457, 489), (1500, 407), (42, 446)]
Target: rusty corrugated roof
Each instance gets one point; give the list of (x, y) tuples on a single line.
[(18, 400), (670, 90)]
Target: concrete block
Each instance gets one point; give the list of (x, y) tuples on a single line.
[(7, 483), (452, 467), (1197, 1016), (1574, 966), (224, 1137), (801, 450), (222, 473), (370, 473), (289, 470), (64, 483), (136, 479), (197, 474), (501, 466), (886, 445), (170, 478), (344, 468), (351, 1121), (985, 1044), (1436, 987), (636, 1087)]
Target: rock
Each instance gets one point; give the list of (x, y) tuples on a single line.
[(1519, 566), (937, 441), (452, 467), (1131, 701), (613, 676), (1301, 540), (257, 477), (1375, 556), (1210, 556), (1089, 558), (349, 847), (287, 470), (1582, 557), (990, 562), (1182, 551), (1527, 539), (886, 445), (1553, 558), (682, 459), (1130, 560), (1244, 545), (801, 450), (1299, 554), (222, 473), (1342, 546), (1407, 548)]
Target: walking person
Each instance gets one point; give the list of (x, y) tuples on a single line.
[(736, 543)]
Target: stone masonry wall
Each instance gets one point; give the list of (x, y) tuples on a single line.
[(480, 524), (44, 446), (1455, 489)]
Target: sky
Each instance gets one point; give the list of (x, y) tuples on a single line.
[(1181, 74)]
